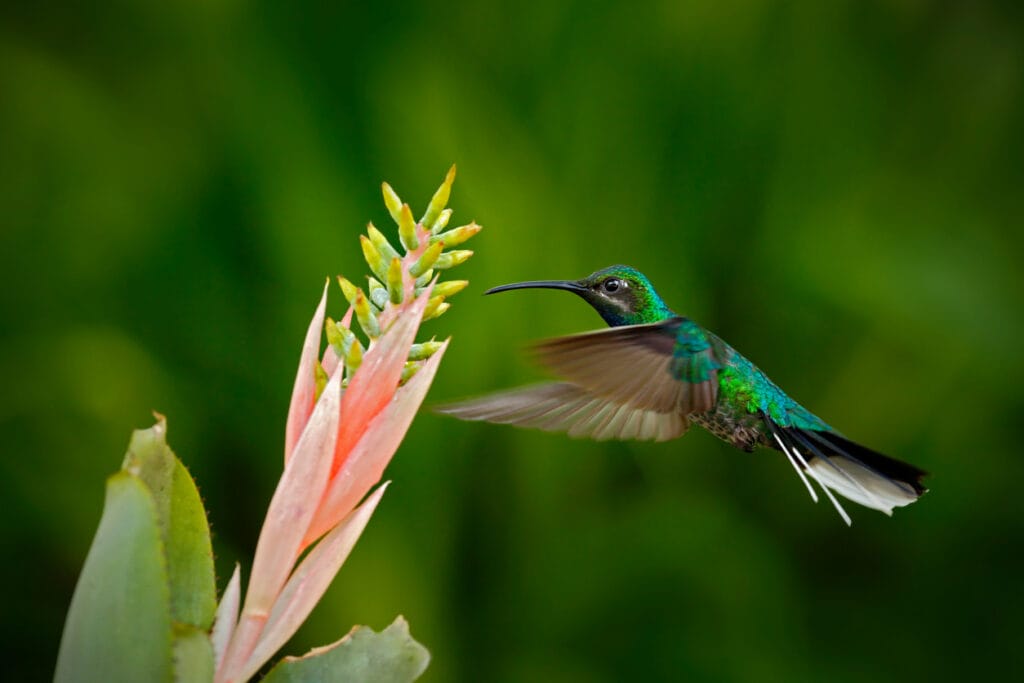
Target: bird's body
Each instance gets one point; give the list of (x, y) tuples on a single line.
[(742, 385), (653, 373)]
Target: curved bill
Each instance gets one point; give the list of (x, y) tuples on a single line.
[(568, 285)]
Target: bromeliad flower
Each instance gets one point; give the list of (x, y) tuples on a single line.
[(349, 411)]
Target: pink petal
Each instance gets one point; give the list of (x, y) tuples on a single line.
[(330, 360), (365, 464), (377, 378), (227, 617), (308, 584), (304, 391), (294, 503), (291, 509)]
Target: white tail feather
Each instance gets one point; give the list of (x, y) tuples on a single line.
[(796, 461), (861, 484)]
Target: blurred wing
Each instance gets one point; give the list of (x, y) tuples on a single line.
[(562, 407), (664, 367)]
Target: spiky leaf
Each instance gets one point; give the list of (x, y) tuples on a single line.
[(183, 525), (119, 624)]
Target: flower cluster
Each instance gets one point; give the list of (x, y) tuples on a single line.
[(398, 277), (351, 407)]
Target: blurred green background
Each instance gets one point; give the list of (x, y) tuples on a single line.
[(834, 188)]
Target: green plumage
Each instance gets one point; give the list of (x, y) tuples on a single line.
[(744, 391), (654, 373), (745, 394)]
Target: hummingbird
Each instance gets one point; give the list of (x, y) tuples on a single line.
[(652, 373)]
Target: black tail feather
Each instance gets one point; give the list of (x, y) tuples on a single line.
[(847, 468)]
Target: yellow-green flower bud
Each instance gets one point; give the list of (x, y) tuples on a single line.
[(348, 289), (354, 357), (424, 350), (449, 288), (373, 258), (455, 237), (391, 201), (407, 228), (339, 337), (426, 261), (320, 377), (387, 251), (436, 305), (452, 258), (422, 280), (437, 312), (366, 317), (408, 370), (441, 221), (334, 336), (439, 200), (396, 288), (378, 293), (432, 304)]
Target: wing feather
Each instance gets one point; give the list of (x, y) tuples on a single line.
[(565, 407), (659, 367)]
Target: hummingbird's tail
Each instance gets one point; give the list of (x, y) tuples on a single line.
[(851, 470)]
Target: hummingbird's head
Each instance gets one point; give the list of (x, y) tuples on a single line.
[(620, 294)]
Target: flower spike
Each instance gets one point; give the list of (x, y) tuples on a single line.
[(400, 274), (349, 413)]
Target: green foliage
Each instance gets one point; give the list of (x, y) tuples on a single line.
[(183, 526), (193, 655), (391, 656), (119, 623), (146, 595)]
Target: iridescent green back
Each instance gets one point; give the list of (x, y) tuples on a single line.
[(744, 393)]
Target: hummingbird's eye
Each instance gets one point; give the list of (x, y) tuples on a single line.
[(612, 285)]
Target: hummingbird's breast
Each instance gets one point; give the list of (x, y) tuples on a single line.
[(740, 428), (744, 395)]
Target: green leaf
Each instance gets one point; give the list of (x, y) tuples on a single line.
[(193, 655), (183, 525), (119, 624), (391, 656)]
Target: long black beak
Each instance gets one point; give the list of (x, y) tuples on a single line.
[(568, 285)]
